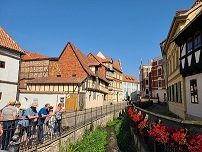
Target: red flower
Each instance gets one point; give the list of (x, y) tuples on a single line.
[(160, 132), (137, 117), (194, 143), (143, 126), (131, 111)]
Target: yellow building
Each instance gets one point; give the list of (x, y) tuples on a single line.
[(171, 53)]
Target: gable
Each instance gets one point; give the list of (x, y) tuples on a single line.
[(68, 65)]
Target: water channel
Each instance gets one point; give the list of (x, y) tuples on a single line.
[(112, 145)]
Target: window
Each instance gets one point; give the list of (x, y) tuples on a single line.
[(176, 93), (2, 64), (189, 46), (173, 92), (159, 62), (193, 91), (73, 75), (147, 91), (159, 71), (96, 70), (197, 41), (170, 93), (177, 58), (179, 91), (94, 95), (147, 82), (0, 95), (174, 96), (159, 83), (62, 99)]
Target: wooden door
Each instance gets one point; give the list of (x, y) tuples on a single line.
[(71, 102)]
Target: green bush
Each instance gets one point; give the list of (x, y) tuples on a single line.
[(123, 133)]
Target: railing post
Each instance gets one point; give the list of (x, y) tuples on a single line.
[(91, 115), (96, 112), (101, 111), (106, 110), (75, 118), (114, 111), (85, 117)]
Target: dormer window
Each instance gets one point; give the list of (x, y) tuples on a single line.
[(58, 76), (73, 75), (197, 41)]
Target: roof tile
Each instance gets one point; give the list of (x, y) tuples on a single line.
[(128, 78), (29, 55), (7, 42)]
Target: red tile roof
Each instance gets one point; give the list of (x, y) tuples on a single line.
[(86, 62), (117, 65), (29, 55), (7, 42), (128, 78), (107, 60)]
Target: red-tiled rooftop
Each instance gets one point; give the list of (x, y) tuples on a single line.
[(7, 42), (29, 55), (117, 65), (128, 78), (84, 60)]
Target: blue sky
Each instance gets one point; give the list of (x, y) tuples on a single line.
[(121, 29)]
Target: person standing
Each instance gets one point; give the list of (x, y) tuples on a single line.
[(19, 114), (58, 118), (43, 113), (17, 105), (9, 115), (51, 121), (30, 116)]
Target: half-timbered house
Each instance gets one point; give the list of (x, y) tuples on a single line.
[(72, 79), (113, 73), (176, 85), (189, 40)]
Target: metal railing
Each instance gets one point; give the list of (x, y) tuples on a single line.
[(55, 129)]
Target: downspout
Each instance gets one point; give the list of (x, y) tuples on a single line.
[(18, 85)]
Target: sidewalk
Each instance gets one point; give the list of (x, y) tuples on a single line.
[(161, 109), (164, 110)]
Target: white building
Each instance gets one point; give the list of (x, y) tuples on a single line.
[(130, 87), (10, 57)]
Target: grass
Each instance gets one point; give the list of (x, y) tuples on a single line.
[(93, 141), (113, 122)]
